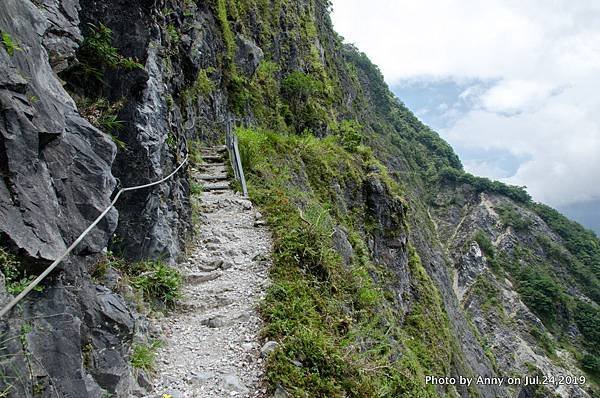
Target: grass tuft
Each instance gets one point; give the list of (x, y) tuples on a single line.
[(15, 277), (158, 283), (143, 356)]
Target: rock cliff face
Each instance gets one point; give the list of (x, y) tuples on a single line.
[(56, 179), (477, 280)]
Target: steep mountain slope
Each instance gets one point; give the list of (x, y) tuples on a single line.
[(391, 263)]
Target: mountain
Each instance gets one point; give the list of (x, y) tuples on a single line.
[(390, 262)]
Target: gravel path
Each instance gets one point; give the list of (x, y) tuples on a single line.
[(212, 348)]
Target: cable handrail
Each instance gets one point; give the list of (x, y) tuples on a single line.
[(51, 267)]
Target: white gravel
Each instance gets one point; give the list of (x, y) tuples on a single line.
[(212, 347)]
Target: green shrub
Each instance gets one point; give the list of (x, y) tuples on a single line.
[(300, 87), (143, 356), (9, 45), (240, 95), (196, 189), (591, 363), (511, 217), (540, 292), (157, 281), (97, 52), (15, 278), (587, 318), (349, 134), (306, 102)]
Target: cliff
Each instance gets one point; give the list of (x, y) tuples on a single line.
[(390, 262)]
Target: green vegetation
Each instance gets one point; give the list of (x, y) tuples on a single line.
[(349, 134), (195, 153), (204, 85), (9, 44), (591, 363), (304, 95), (482, 184), (196, 189), (143, 356), (103, 115), (542, 294), (487, 248), (159, 284), (15, 276), (173, 34), (97, 51), (488, 293), (157, 281), (228, 38), (583, 245), (544, 340), (240, 95), (587, 318), (510, 217), (339, 333)]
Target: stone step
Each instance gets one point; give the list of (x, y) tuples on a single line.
[(214, 149), (206, 166), (221, 186), (193, 306), (213, 159), (201, 277), (211, 177)]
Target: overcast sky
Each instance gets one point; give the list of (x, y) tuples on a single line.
[(514, 86)]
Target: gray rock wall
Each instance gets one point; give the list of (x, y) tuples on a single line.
[(55, 166), (73, 337)]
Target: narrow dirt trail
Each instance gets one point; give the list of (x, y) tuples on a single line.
[(212, 347)]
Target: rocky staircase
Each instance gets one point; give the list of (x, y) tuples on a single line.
[(212, 346), (213, 171)]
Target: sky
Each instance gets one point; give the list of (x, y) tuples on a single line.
[(513, 86)]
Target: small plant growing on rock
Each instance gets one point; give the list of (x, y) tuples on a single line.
[(97, 49), (195, 152), (174, 35), (15, 279), (95, 55), (9, 44), (196, 189), (143, 356), (103, 115), (158, 282)]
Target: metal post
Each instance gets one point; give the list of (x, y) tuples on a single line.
[(239, 164)]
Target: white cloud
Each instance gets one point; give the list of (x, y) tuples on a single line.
[(540, 61), (515, 95)]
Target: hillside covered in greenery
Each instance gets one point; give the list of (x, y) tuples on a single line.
[(390, 262)]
